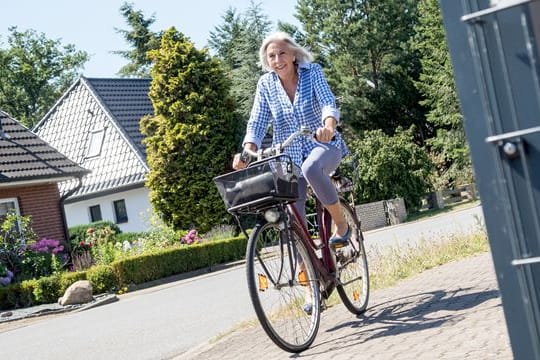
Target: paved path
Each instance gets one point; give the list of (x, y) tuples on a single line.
[(449, 312)]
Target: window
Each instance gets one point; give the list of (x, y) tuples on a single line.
[(95, 213), (6, 205), (120, 211), (95, 143)]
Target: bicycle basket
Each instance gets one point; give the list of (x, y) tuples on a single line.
[(263, 184)]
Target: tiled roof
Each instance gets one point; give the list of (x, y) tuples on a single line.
[(113, 107), (128, 101), (24, 156)]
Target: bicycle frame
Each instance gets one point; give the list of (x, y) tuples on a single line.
[(325, 265)]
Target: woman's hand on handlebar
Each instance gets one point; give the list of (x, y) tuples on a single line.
[(238, 163), (324, 134), (241, 161)]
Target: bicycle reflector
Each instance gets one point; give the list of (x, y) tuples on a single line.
[(263, 282), (302, 278), (355, 295)]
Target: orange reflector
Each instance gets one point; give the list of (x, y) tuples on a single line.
[(355, 295), (302, 278), (263, 282)]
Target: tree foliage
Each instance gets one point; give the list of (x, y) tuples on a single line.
[(34, 72), (448, 147), (141, 39), (391, 166), (192, 136), (226, 37), (369, 64), (237, 43)]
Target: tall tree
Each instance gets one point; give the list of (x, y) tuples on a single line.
[(237, 44), (34, 72), (141, 39), (225, 37), (369, 64), (449, 148), (192, 136)]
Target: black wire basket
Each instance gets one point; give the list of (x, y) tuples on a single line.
[(263, 184)]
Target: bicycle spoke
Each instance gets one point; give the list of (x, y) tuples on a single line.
[(279, 282), (353, 275)]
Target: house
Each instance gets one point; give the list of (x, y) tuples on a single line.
[(30, 170), (96, 124)]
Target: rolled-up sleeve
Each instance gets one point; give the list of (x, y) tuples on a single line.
[(324, 94), (259, 118)]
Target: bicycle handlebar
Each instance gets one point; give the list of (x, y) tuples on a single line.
[(278, 148)]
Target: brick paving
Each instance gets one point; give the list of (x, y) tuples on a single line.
[(453, 311)]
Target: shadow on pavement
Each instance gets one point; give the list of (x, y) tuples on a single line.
[(408, 314)]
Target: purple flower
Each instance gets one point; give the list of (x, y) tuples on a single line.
[(48, 246), (6, 280)]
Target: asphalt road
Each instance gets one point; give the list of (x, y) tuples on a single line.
[(165, 321)]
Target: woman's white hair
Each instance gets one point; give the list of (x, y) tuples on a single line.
[(301, 54)]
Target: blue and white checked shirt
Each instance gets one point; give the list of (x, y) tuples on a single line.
[(313, 102)]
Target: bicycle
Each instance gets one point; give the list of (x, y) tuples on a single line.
[(286, 268)]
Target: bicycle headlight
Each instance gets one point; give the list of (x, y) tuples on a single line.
[(271, 215)]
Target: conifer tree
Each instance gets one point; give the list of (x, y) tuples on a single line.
[(448, 147), (192, 136)]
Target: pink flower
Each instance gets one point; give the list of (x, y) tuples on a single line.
[(190, 238)]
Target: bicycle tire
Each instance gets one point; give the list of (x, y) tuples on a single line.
[(352, 266), (277, 298)]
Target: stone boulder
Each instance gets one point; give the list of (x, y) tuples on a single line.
[(79, 292)]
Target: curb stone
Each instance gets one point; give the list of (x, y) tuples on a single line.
[(48, 309)]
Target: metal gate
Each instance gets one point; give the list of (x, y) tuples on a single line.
[(494, 46)]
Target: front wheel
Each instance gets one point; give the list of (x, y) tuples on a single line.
[(352, 266), (281, 281)]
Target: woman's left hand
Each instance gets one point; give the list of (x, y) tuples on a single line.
[(325, 134)]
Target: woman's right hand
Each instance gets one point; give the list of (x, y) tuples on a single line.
[(241, 162), (238, 163)]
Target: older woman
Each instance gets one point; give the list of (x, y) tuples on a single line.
[(294, 93)]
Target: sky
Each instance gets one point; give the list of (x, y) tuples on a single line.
[(90, 24)]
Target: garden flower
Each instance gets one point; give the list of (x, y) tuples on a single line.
[(47, 246), (126, 246), (6, 279), (190, 238)]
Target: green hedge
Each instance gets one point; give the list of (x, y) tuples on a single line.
[(129, 236), (130, 271), (77, 233)]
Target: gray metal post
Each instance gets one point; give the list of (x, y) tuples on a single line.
[(494, 46)]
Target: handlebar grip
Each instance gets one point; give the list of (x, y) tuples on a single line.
[(244, 156)]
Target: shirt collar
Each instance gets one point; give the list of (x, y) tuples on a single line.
[(304, 66)]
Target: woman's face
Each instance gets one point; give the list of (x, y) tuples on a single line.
[(280, 58)]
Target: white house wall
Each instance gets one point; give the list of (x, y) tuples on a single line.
[(137, 205)]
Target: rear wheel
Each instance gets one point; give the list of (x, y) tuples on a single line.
[(352, 266), (281, 280)]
